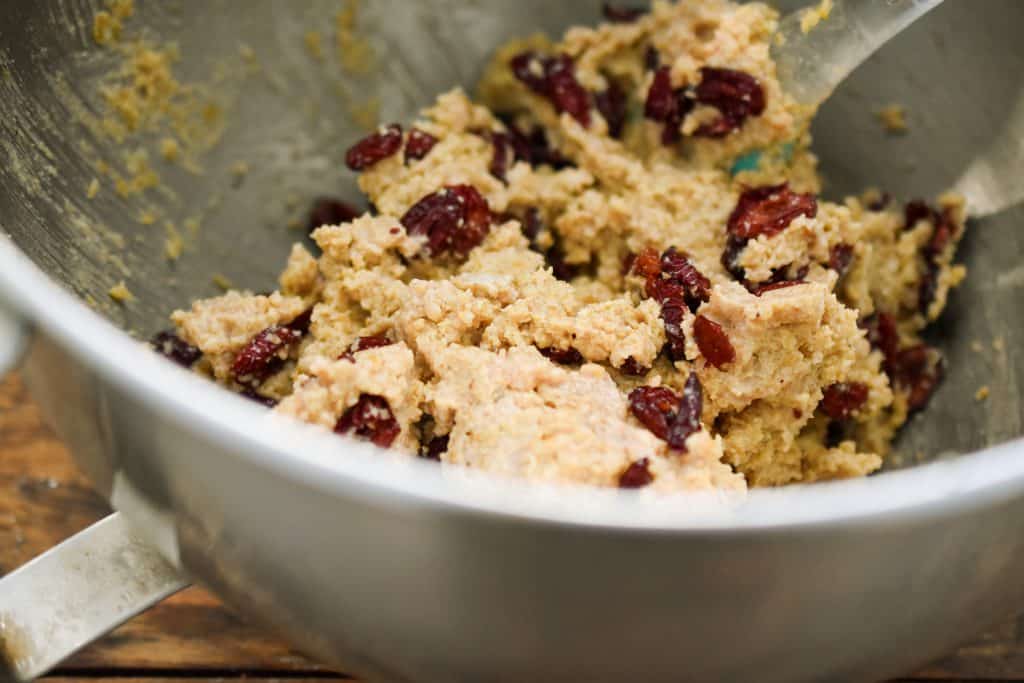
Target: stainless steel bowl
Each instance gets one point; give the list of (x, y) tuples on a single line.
[(394, 568)]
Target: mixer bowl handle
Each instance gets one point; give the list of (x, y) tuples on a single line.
[(76, 592)]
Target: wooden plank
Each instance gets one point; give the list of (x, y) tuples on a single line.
[(44, 499)]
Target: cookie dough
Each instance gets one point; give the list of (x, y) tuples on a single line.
[(579, 276)]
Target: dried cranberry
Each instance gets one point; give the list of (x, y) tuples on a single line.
[(647, 264), (769, 210), (915, 211), (257, 397), (840, 257), (735, 94), (713, 342), (927, 288), (374, 147), (687, 419), (261, 356), (654, 407), (532, 224), (631, 366), (675, 266), (169, 345), (772, 286), (328, 211), (636, 475), (842, 399), (652, 60), (621, 15), (301, 322), (940, 238), (371, 419), (418, 145), (433, 449), (880, 202), (669, 417), (918, 369), (731, 257), (612, 105), (555, 79), (672, 314), (883, 335), (364, 343), (661, 103), (454, 220), (503, 154), (569, 356)]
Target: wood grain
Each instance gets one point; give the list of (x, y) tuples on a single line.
[(44, 499)]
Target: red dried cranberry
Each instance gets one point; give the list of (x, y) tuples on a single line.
[(840, 257), (687, 418), (301, 322), (371, 419), (433, 449), (503, 155), (636, 475), (257, 397), (772, 286), (883, 335), (918, 369), (731, 257), (261, 356), (928, 288), (769, 210), (532, 147), (652, 60), (621, 15), (418, 145), (569, 356), (672, 313), (842, 399), (713, 342), (532, 224), (612, 105), (554, 78), (364, 343), (647, 264), (654, 407), (454, 220), (880, 202), (676, 267), (169, 345), (328, 211), (735, 94), (631, 366), (661, 104), (374, 147), (915, 211)]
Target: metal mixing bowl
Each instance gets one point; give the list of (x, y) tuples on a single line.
[(392, 567)]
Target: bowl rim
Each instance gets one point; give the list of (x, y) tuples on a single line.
[(342, 466)]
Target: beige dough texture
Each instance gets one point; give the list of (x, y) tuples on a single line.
[(457, 372)]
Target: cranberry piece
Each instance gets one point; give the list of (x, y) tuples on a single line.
[(554, 78), (631, 366), (772, 286), (301, 322), (731, 257), (915, 211), (636, 475), (169, 345), (713, 342), (433, 449), (454, 220), (364, 343), (842, 399), (569, 356), (261, 356), (661, 103), (881, 202), (329, 211), (532, 224), (918, 369), (883, 335), (840, 257), (735, 94), (927, 288), (371, 419), (612, 105), (652, 60), (374, 147), (672, 314), (675, 266), (687, 419), (654, 407), (418, 145), (256, 397), (621, 15), (647, 264), (769, 210), (503, 154)]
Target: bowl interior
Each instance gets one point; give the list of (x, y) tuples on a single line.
[(264, 98)]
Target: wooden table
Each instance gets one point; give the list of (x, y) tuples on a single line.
[(44, 499)]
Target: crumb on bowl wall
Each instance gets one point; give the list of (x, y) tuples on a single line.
[(893, 118), (120, 293)]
